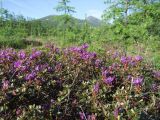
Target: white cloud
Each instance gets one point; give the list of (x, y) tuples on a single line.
[(94, 12)]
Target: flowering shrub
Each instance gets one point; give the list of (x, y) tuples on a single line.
[(74, 83)]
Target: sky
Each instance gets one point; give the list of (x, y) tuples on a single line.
[(41, 8)]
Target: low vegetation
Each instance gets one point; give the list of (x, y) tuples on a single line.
[(73, 83)]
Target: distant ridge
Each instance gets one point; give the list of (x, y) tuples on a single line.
[(55, 20), (93, 21)]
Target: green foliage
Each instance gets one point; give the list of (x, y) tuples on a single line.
[(14, 42), (133, 22), (126, 24), (63, 7)]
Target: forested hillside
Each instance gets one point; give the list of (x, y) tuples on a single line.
[(56, 20)]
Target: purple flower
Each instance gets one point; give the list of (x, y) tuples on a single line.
[(116, 111), (30, 76), (104, 73), (96, 87), (93, 55), (156, 74), (125, 60), (5, 85), (57, 50), (129, 77), (84, 46), (115, 54), (137, 81), (52, 101), (91, 117), (74, 61), (58, 67), (114, 66), (7, 55), (85, 56), (18, 111), (109, 80), (23, 68), (132, 63), (138, 58), (75, 49), (17, 64), (38, 68), (50, 69), (21, 54), (46, 106), (82, 115), (35, 54), (154, 87), (98, 62)]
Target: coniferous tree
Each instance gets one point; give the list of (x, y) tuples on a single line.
[(64, 7), (67, 11)]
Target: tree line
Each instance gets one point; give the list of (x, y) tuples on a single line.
[(124, 21)]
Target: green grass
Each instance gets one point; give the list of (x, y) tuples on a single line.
[(13, 42)]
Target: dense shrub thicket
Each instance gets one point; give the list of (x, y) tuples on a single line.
[(73, 83)]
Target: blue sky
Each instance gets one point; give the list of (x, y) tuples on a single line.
[(41, 8)]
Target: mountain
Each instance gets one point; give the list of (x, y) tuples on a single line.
[(53, 20), (93, 21)]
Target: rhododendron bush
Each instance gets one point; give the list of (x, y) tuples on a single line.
[(73, 83)]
